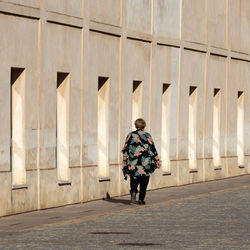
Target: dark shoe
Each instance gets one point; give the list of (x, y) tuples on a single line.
[(141, 202), (133, 198)]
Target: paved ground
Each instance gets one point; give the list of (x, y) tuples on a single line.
[(211, 215)]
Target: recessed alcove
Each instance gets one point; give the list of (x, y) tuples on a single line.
[(216, 127), (192, 126), (240, 128), (62, 126), (136, 101), (165, 126), (103, 127), (18, 102)]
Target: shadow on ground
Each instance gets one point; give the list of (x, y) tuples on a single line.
[(122, 201)]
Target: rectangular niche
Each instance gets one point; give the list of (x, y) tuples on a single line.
[(136, 102), (192, 127), (216, 127), (103, 127), (17, 152), (240, 128), (165, 126), (62, 126)]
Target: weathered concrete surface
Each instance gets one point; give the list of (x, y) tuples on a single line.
[(186, 43), (211, 215)]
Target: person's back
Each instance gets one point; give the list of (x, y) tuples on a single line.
[(140, 159)]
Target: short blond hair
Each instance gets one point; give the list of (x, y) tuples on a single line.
[(140, 123)]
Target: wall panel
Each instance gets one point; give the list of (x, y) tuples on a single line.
[(194, 21), (105, 11), (139, 15), (167, 18), (71, 8)]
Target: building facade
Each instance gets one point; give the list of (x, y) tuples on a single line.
[(75, 74)]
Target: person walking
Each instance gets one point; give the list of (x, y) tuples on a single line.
[(140, 159)]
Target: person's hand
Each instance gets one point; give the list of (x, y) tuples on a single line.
[(158, 164)]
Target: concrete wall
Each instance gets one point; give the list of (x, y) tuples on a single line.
[(188, 43)]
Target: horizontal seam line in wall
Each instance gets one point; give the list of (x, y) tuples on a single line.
[(47, 168), (87, 166), (19, 15), (240, 59), (84, 166), (195, 50), (216, 54), (180, 160), (240, 52), (168, 45), (139, 39), (63, 14), (116, 164), (65, 24), (106, 24), (218, 48), (194, 42), (105, 32), (25, 6), (207, 158)]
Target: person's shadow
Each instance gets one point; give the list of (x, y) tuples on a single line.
[(122, 201)]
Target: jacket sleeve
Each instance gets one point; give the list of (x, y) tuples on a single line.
[(126, 145), (155, 156), (125, 152)]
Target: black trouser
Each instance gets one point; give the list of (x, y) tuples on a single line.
[(143, 181)]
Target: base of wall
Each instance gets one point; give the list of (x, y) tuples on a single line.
[(52, 194)]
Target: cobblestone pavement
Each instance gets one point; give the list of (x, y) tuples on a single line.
[(212, 215)]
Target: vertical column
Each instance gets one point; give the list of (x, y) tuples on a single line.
[(192, 124), (103, 127), (42, 57), (216, 127), (137, 101), (85, 78), (240, 128), (181, 50), (165, 127), (62, 126), (18, 126), (123, 58)]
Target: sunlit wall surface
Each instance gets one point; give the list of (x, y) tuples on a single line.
[(75, 75)]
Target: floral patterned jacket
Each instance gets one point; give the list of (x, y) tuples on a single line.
[(139, 154)]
